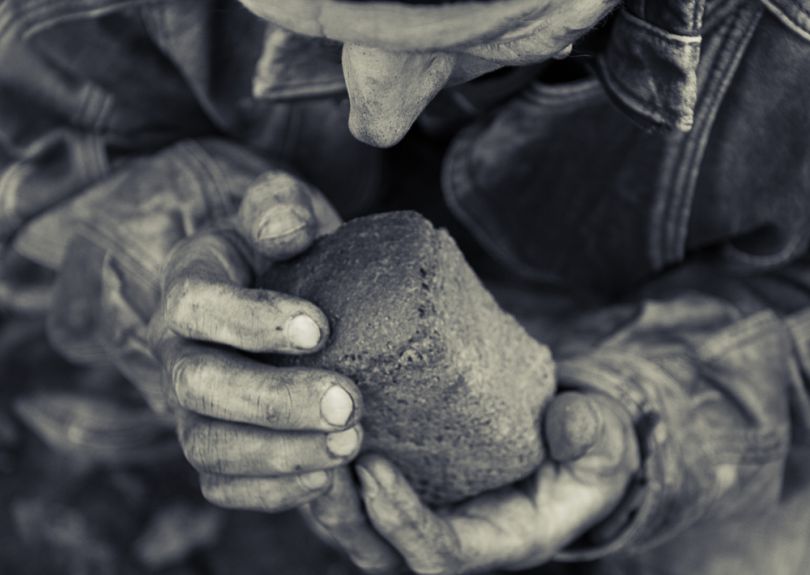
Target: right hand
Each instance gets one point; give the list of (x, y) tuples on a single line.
[(261, 437)]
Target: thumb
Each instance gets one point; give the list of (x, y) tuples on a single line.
[(280, 216), (592, 434)]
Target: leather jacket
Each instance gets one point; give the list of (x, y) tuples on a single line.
[(670, 183)]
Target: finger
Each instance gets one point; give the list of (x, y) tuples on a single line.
[(269, 494), (592, 434), (203, 300), (277, 215), (224, 448), (427, 543), (573, 425), (339, 515), (165, 345), (213, 256), (280, 215), (228, 386)]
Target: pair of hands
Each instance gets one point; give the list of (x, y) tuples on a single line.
[(268, 438)]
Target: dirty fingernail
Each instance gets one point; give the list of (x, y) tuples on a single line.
[(303, 332), (280, 221), (315, 480), (573, 426), (337, 406), (342, 443), (370, 485)]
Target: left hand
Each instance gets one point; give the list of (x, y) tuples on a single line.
[(592, 456)]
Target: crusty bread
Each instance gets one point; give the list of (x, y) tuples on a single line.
[(453, 387)]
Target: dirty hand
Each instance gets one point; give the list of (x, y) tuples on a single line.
[(261, 437), (592, 456)]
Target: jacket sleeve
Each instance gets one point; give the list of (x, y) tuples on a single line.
[(713, 366), (107, 159)]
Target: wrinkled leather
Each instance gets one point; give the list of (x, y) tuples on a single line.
[(126, 126)]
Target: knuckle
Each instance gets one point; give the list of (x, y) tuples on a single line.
[(330, 518), (284, 457), (182, 377), (218, 494), (176, 291), (268, 502), (280, 494), (199, 447), (191, 374), (176, 298), (212, 491)]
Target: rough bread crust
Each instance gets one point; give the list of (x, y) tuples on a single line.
[(453, 387)]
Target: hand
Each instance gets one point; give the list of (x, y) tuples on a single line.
[(261, 437), (593, 455)]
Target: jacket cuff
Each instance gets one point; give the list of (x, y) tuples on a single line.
[(712, 430)]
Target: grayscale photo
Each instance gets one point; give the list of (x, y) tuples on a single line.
[(377, 287)]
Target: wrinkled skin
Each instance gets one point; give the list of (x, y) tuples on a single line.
[(267, 438), (261, 437), (396, 59)]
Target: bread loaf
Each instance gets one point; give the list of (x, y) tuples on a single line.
[(453, 387)]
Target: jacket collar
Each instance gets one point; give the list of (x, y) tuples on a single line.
[(293, 66), (649, 66)]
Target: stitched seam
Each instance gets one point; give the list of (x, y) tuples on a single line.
[(690, 170), (305, 84), (9, 179), (801, 9), (662, 250), (46, 15), (790, 21), (635, 102), (301, 89), (670, 38), (81, 112), (104, 112), (697, 13), (744, 332), (674, 222), (551, 95)]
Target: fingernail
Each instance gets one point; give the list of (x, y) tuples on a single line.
[(342, 443), (573, 427), (337, 406), (303, 332), (370, 485), (315, 480), (281, 221)]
